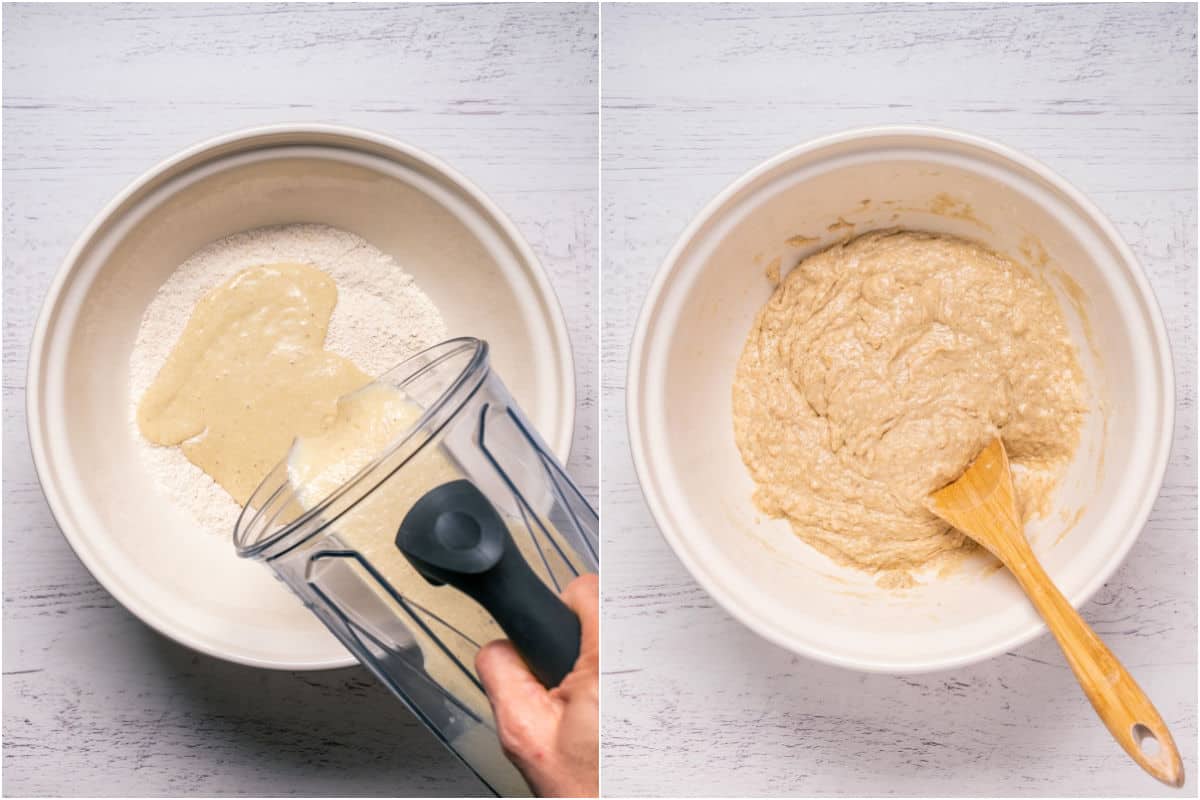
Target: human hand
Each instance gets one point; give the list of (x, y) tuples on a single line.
[(552, 736)]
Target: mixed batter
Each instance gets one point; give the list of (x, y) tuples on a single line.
[(874, 375)]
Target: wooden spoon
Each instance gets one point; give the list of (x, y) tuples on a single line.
[(982, 505)]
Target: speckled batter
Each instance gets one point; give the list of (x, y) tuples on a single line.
[(878, 370)]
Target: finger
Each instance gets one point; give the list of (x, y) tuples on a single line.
[(582, 596), (520, 704), (504, 673)]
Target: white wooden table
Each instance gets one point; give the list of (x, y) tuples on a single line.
[(95, 703), (693, 702)]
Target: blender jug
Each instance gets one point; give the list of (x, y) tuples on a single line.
[(429, 519)]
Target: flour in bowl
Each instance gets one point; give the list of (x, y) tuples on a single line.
[(381, 318)]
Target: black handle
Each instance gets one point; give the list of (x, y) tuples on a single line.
[(544, 631), (454, 536)]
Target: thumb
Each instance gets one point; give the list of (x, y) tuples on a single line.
[(510, 686)]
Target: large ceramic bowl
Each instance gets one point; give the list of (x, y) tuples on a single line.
[(699, 311), (463, 252)]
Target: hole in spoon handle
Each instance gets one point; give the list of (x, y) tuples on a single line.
[(1158, 751), (1146, 740)]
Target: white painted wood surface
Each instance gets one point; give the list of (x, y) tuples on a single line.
[(693, 96), (95, 703)]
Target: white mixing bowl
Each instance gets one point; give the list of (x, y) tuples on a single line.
[(698, 314), (463, 252)]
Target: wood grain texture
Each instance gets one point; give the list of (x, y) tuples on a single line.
[(95, 703), (694, 703)]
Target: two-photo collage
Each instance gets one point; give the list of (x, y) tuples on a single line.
[(599, 399)]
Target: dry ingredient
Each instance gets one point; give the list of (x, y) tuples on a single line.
[(877, 371), (381, 317)]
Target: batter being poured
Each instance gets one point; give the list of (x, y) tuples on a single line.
[(874, 375), (249, 374)]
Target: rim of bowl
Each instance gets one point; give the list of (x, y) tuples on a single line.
[(646, 318), (205, 151)]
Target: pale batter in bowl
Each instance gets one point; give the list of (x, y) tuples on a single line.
[(877, 371)]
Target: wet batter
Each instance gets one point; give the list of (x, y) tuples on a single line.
[(249, 373)]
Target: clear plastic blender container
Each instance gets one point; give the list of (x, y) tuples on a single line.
[(434, 521)]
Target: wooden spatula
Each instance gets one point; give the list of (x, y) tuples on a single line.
[(982, 504)]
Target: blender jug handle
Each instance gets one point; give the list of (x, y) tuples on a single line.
[(454, 536)]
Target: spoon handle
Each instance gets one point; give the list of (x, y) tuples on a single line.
[(1125, 709)]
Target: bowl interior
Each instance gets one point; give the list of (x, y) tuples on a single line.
[(188, 582), (697, 323)]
